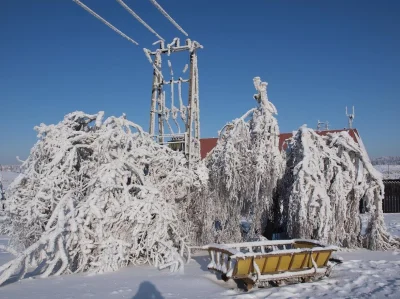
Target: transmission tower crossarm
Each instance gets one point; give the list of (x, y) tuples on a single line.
[(175, 81), (136, 16), (191, 47), (165, 14), (105, 22)]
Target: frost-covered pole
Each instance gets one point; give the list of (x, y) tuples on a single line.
[(193, 117), (196, 104), (154, 92), (190, 110)]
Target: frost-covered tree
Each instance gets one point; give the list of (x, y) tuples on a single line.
[(326, 179), (244, 168), (97, 196)]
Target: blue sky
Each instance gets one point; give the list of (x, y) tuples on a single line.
[(318, 57)]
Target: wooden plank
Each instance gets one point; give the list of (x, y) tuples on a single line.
[(291, 262), (316, 258), (265, 264), (298, 261), (323, 258), (285, 262), (272, 264), (279, 262), (243, 266), (251, 265), (305, 259)]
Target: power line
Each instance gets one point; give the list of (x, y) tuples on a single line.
[(123, 4), (158, 6), (105, 22)]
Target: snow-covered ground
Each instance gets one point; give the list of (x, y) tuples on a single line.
[(389, 171), (364, 274), (7, 177), (393, 224)]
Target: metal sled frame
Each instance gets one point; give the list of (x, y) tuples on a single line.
[(271, 261)]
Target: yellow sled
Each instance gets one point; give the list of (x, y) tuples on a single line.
[(271, 261)]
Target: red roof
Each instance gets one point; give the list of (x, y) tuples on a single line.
[(207, 144), (282, 138)]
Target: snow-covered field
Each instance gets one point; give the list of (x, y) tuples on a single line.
[(7, 177), (364, 274), (389, 171), (393, 224)]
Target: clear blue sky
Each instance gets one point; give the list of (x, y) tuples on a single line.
[(318, 57)]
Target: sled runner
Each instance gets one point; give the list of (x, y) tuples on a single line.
[(271, 262)]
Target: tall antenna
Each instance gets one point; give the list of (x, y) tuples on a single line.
[(189, 140), (351, 118)]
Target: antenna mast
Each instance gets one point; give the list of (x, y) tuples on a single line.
[(351, 118)]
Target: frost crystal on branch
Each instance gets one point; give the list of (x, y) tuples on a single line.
[(97, 196), (326, 180), (244, 168)]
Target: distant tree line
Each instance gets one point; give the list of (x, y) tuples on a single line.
[(386, 161), (14, 168)]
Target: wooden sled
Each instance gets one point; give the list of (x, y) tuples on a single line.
[(271, 262)]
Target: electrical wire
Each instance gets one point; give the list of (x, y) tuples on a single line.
[(105, 22), (158, 6), (136, 16)]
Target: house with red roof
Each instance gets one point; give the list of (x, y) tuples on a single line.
[(208, 144)]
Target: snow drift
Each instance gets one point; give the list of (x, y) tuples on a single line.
[(97, 196)]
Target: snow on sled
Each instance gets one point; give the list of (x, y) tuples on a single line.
[(271, 262)]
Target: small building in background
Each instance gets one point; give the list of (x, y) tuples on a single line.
[(208, 144)]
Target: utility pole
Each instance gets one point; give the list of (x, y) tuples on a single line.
[(189, 139), (160, 113)]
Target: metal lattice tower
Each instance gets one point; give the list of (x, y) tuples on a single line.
[(189, 140)]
